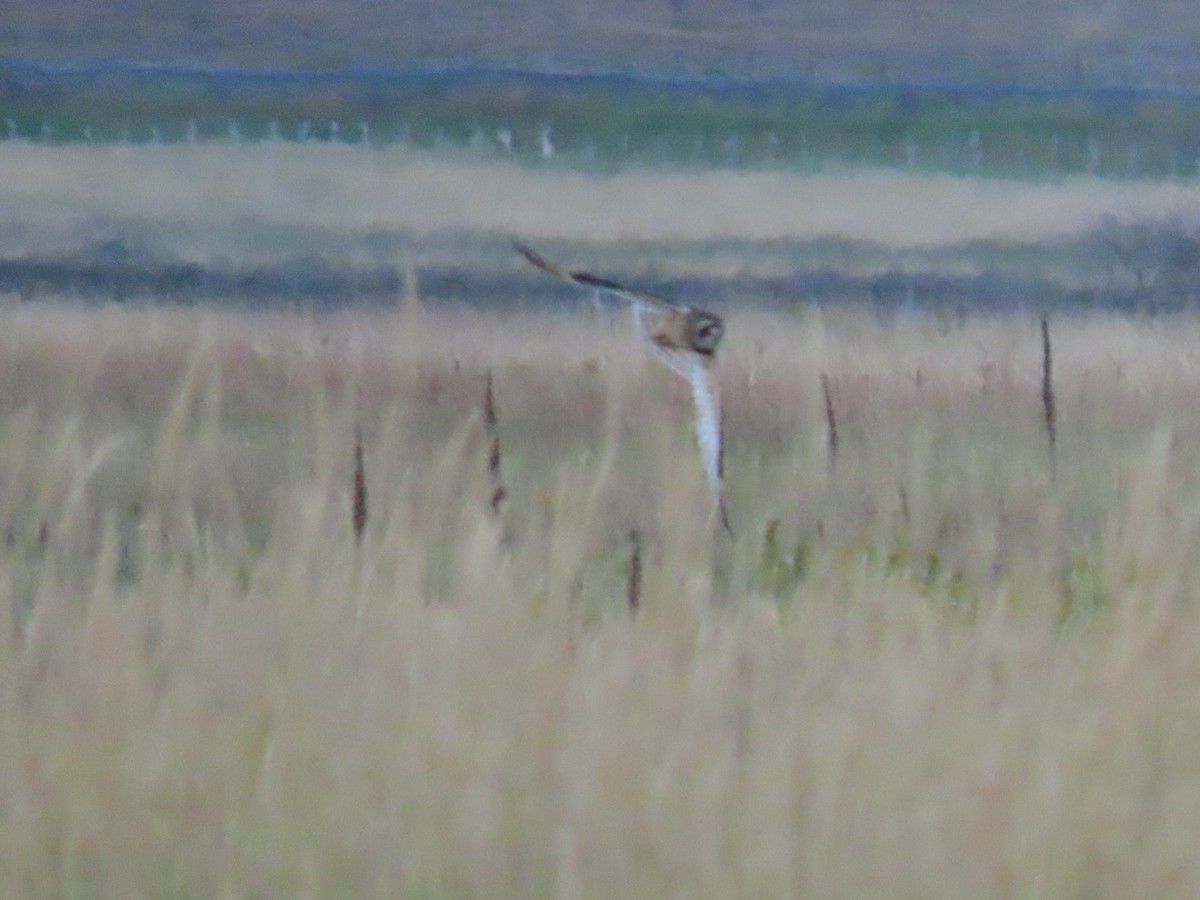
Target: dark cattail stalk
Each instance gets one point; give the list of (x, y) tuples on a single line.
[(633, 590), (830, 421), (359, 511), (722, 509), (1048, 406), (491, 423)]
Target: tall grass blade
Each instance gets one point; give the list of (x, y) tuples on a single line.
[(633, 592), (830, 421), (359, 511), (491, 423), (1048, 405)]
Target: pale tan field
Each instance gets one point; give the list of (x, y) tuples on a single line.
[(929, 670), (347, 188)]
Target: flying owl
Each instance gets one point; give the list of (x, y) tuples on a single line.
[(683, 338)]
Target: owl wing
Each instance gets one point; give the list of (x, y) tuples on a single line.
[(708, 426), (688, 365), (587, 279)]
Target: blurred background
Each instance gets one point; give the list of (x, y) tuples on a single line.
[(1035, 93)]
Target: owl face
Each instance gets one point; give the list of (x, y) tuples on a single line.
[(704, 332), (684, 330), (685, 340)]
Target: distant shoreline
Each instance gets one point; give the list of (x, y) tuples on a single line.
[(607, 121), (442, 75), (345, 188), (341, 224)]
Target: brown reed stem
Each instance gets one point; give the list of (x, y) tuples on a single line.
[(1048, 404), (359, 511), (722, 509), (830, 421), (491, 423), (633, 591)]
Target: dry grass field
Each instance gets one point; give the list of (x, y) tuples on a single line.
[(926, 668)]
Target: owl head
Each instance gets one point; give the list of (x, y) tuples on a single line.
[(704, 332)]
